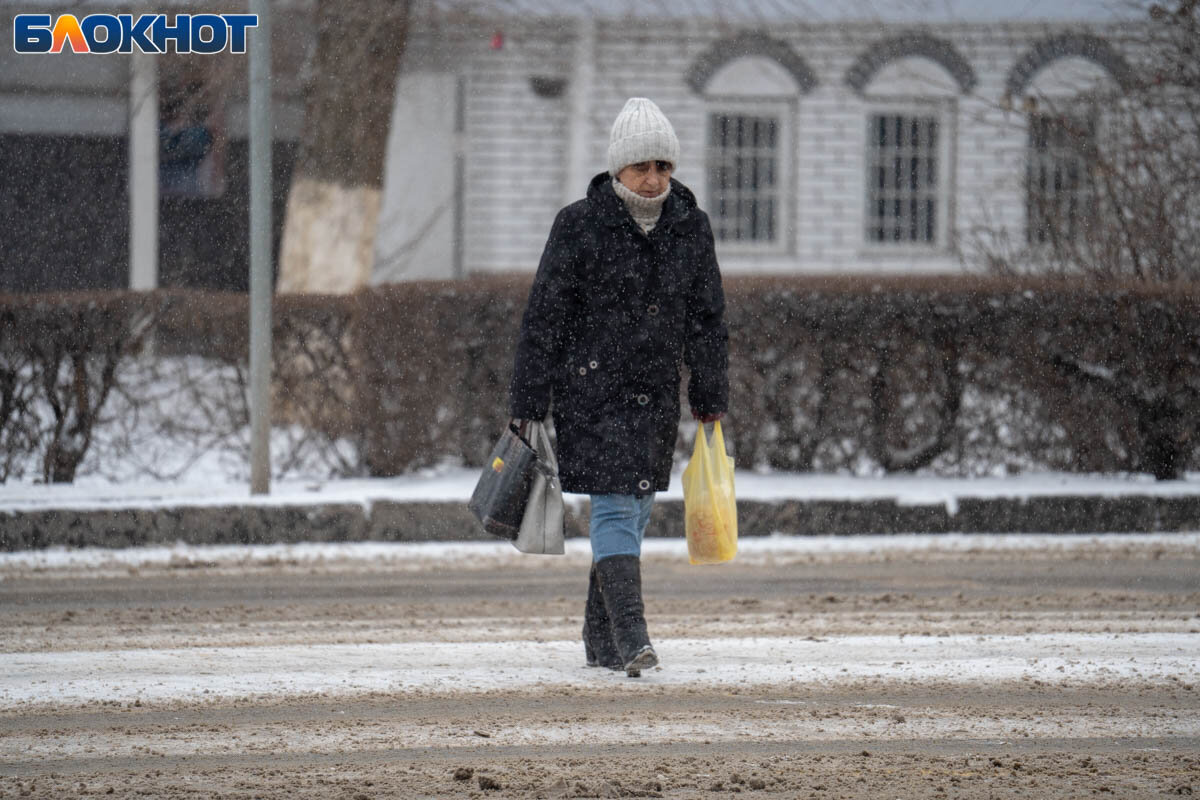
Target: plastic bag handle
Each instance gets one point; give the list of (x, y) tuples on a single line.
[(718, 440), (701, 446)]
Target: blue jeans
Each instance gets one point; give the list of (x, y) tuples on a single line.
[(618, 523)]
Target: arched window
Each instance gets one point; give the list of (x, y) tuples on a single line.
[(1052, 83), (751, 85), (909, 85)]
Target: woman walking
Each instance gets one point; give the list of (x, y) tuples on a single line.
[(627, 290)]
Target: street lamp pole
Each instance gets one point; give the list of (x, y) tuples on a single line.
[(261, 264)]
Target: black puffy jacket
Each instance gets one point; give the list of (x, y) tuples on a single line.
[(612, 315)]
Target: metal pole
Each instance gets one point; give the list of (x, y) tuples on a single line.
[(261, 267), (143, 171)]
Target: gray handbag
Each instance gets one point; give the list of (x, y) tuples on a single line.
[(542, 525)]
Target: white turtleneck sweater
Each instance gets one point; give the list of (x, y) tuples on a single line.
[(644, 210)]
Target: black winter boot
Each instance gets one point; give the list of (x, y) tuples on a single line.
[(620, 579), (598, 642)]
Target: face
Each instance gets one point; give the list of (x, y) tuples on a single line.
[(647, 178)]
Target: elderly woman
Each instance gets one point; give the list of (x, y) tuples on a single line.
[(627, 290)]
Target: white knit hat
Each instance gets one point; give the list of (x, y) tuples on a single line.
[(640, 133)]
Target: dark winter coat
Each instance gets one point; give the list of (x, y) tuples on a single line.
[(612, 315)]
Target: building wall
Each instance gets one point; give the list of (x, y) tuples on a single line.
[(86, 95), (515, 140), (64, 155), (514, 146)]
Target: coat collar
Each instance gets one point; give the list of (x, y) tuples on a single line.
[(679, 205)]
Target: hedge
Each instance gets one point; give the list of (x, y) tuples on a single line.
[(954, 375)]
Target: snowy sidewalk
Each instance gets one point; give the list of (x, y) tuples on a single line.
[(455, 485), (432, 507)]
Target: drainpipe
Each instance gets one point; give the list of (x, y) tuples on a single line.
[(583, 78)]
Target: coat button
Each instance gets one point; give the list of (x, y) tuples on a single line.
[(583, 370), (644, 484), (593, 364), (643, 399), (652, 310)]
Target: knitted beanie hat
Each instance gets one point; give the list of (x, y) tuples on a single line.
[(640, 133)]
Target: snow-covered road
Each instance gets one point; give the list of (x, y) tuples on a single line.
[(980, 663), (204, 674)]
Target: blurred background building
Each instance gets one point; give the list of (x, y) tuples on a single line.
[(820, 137)]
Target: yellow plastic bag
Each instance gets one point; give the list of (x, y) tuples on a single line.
[(709, 503)]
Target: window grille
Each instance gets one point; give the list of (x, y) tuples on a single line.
[(902, 179), (743, 177), (1059, 200)]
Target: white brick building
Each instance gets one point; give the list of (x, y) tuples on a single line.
[(501, 121), (502, 115)]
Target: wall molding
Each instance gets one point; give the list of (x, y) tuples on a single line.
[(881, 53), (750, 43), (1067, 45)]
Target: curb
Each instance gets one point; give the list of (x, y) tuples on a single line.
[(389, 520)]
